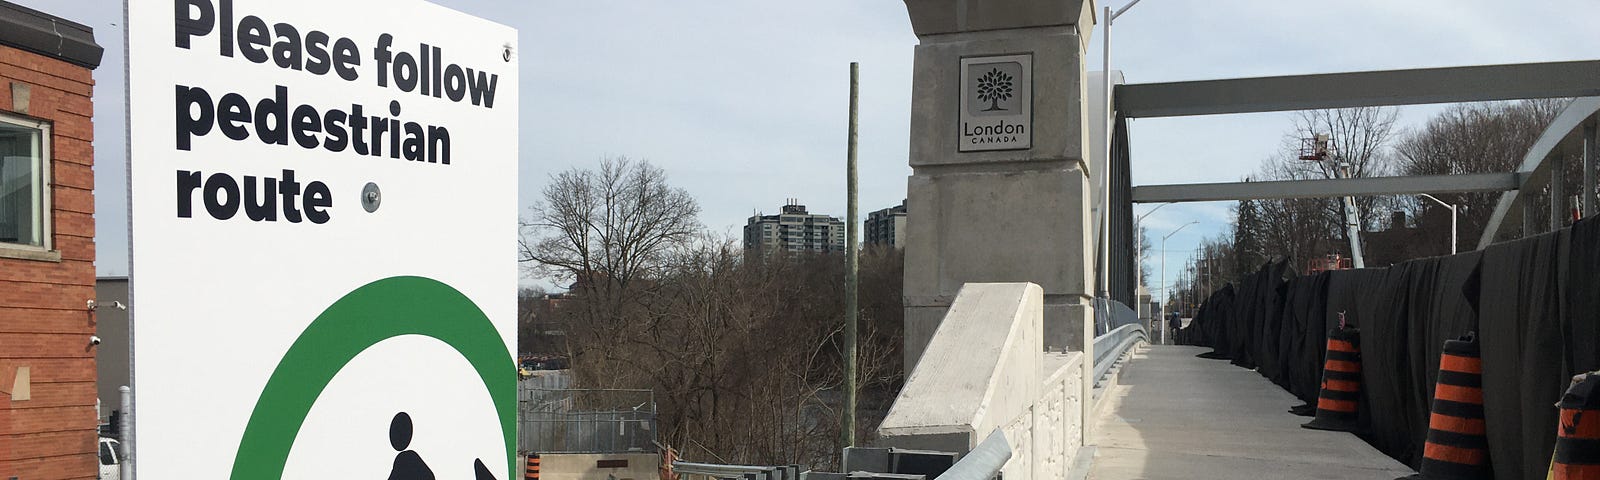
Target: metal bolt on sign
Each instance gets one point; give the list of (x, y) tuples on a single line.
[(371, 197)]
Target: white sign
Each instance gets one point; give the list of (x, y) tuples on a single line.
[(996, 103), (323, 216)]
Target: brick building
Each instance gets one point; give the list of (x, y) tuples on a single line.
[(47, 275)]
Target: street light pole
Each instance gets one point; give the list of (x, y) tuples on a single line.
[(1103, 223), (1166, 296), (1101, 240), (1138, 259), (1138, 244), (1138, 247), (1453, 230)]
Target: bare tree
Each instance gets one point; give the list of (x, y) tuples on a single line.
[(535, 315), (1302, 229), (1467, 138), (1297, 228), (1362, 138), (607, 226), (1474, 138), (1146, 247), (743, 352)]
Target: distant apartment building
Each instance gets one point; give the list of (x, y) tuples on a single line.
[(887, 227), (794, 230)]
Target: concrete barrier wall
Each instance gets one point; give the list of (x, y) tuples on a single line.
[(585, 466), (984, 370), (1057, 417)]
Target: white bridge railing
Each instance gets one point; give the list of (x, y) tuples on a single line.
[(986, 372)]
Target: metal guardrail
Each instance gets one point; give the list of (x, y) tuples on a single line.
[(1109, 347), (983, 462), (753, 472), (1110, 314)]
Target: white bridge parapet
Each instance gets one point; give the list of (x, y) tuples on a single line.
[(986, 369)]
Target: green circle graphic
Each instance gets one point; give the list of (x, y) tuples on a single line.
[(375, 312)]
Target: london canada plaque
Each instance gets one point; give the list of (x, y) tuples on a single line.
[(996, 103)]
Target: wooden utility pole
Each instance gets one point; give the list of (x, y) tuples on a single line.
[(852, 229)]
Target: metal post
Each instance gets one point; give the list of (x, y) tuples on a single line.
[(1453, 230), (1527, 217), (1138, 245), (1102, 238), (1101, 252), (1589, 154), (1102, 221), (125, 431), (1086, 375), (1352, 219), (850, 278), (1558, 189)]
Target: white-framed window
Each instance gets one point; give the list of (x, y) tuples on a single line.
[(24, 183)]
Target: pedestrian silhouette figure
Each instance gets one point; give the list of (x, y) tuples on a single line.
[(407, 465)]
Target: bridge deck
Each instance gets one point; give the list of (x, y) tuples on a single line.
[(1176, 416)]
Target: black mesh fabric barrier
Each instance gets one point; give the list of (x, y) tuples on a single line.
[(1532, 301), (1241, 330), (1209, 333), (1269, 309)]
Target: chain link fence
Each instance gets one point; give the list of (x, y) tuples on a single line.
[(566, 420)]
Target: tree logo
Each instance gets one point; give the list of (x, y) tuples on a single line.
[(996, 103), (994, 87)]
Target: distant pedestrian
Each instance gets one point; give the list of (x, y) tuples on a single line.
[(1174, 323)]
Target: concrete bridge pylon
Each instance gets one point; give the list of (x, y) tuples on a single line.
[(999, 149)]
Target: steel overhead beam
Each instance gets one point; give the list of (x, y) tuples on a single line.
[(1360, 89), (1359, 187)]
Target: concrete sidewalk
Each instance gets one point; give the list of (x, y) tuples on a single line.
[(1174, 416)]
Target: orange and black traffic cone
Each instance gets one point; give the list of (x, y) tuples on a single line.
[(1578, 435), (1457, 448), (1341, 383), (532, 468)]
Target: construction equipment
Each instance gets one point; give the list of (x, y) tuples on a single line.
[(1321, 149), (1329, 262)]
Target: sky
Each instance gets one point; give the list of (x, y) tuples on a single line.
[(745, 104)]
